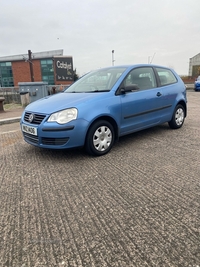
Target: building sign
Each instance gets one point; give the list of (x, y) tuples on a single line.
[(63, 68)]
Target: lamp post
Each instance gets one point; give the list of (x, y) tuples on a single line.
[(113, 57)]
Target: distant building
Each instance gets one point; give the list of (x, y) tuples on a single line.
[(194, 66), (50, 66)]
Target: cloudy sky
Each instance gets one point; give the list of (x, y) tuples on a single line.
[(164, 32)]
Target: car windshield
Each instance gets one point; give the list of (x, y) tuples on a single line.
[(101, 80)]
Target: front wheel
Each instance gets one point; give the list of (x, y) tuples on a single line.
[(178, 117), (100, 138)]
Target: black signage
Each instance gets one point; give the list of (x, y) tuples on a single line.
[(64, 68)]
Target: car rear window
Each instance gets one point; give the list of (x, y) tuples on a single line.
[(166, 76)]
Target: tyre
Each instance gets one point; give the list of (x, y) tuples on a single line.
[(100, 138), (178, 117)]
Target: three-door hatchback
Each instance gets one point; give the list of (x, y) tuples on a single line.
[(105, 104)]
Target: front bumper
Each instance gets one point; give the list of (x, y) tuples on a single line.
[(54, 136)]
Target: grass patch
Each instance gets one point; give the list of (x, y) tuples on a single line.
[(11, 106)]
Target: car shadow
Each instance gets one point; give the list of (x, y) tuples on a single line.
[(79, 153)]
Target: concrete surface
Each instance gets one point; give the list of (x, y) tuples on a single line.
[(137, 206), (11, 115)]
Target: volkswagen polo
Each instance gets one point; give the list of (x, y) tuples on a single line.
[(104, 105)]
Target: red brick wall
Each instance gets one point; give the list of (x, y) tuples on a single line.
[(187, 79), (63, 82), (21, 71), (37, 71)]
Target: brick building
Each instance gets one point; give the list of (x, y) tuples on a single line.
[(50, 66)]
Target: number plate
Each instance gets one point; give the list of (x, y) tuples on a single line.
[(29, 129)]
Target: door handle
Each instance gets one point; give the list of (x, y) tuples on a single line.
[(159, 94)]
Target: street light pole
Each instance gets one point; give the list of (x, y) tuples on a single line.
[(113, 57)]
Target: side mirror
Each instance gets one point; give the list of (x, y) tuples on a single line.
[(131, 88), (128, 88)]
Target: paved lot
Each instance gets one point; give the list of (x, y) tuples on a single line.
[(137, 206)]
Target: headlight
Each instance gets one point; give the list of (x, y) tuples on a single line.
[(64, 116)]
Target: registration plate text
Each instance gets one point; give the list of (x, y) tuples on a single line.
[(29, 129)]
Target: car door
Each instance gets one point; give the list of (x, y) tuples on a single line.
[(141, 108), (168, 83)]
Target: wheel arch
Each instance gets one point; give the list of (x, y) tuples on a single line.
[(184, 105), (106, 118)]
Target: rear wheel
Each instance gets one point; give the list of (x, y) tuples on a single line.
[(178, 117), (100, 138)]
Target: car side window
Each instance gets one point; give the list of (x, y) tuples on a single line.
[(143, 78), (166, 76)]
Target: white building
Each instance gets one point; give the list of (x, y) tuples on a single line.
[(194, 66)]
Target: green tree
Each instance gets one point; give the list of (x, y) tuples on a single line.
[(76, 77)]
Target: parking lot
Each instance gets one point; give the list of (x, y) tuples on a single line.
[(139, 205)]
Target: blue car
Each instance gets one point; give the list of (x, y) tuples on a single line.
[(197, 84), (105, 104)]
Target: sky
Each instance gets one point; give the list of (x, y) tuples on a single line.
[(164, 32)]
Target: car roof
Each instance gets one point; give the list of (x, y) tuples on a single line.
[(136, 65)]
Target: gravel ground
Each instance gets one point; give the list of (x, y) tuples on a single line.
[(139, 205)]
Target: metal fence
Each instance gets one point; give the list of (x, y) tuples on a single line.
[(12, 94)]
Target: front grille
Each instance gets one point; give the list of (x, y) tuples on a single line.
[(45, 140), (37, 118), (54, 141), (31, 138)]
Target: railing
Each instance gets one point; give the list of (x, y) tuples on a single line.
[(12, 94)]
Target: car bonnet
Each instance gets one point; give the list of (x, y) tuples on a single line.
[(60, 101)]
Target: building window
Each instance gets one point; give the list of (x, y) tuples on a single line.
[(47, 71), (6, 75)]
